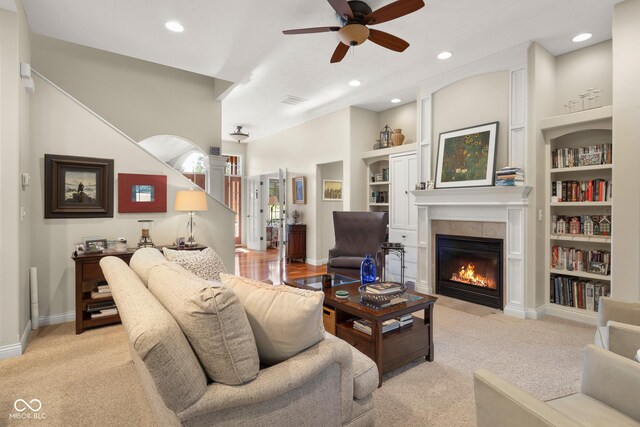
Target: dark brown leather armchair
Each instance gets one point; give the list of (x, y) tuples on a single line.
[(357, 234)]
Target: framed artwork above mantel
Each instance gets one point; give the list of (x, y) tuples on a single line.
[(77, 187)]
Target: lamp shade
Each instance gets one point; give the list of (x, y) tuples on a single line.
[(191, 201)]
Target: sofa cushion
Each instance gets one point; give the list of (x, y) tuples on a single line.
[(284, 320), (205, 263), (365, 374), (346, 262), (590, 412), (602, 337), (143, 260), (213, 320)]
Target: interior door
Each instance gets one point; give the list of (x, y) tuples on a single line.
[(282, 178), (256, 223)]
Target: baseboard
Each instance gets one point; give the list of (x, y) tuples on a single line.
[(423, 288), (316, 262), (537, 313), (56, 319), (515, 312), (15, 350)]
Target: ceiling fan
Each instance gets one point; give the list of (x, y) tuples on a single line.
[(355, 16)]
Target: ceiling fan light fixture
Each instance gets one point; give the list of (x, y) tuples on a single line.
[(238, 135), (353, 34)]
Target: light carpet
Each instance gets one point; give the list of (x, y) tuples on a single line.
[(89, 379)]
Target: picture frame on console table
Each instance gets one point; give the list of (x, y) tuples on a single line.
[(77, 187), (467, 157), (142, 193)]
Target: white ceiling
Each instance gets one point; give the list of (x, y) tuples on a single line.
[(242, 41)]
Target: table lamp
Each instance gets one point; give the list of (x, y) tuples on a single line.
[(191, 201)]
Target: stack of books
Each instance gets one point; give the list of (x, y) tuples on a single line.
[(102, 291), (509, 177), (363, 325), (576, 292), (103, 313), (102, 309), (383, 288)]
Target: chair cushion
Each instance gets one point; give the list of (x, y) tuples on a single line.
[(602, 337), (143, 260), (346, 262), (588, 411), (213, 320), (284, 320), (206, 263)]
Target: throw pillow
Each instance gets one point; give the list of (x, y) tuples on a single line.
[(205, 263), (213, 321), (284, 320)]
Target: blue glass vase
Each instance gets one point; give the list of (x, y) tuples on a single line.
[(367, 270)]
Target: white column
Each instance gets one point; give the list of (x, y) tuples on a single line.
[(514, 280), (215, 179)]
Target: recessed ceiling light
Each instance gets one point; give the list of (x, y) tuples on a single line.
[(581, 37), (174, 26), (445, 55), (395, 100), (354, 83)]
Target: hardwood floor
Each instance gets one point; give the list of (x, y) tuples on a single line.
[(265, 266)]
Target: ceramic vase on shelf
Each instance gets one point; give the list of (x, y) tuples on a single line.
[(367, 270), (397, 138)]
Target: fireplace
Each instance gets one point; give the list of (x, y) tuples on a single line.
[(470, 269)]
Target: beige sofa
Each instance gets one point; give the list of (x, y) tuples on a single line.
[(609, 396), (330, 383), (619, 327)]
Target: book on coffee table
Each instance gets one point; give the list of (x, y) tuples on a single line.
[(383, 288)]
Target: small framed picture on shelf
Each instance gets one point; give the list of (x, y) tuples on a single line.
[(95, 246), (598, 267)]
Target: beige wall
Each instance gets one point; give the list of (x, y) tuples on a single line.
[(140, 98), (626, 172), (326, 238), (580, 70), (541, 88), (364, 131), (14, 159), (53, 239), (469, 102), (403, 117)]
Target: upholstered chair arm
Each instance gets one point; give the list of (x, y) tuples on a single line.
[(279, 379), (612, 379), (619, 311), (501, 404), (624, 339), (334, 253)]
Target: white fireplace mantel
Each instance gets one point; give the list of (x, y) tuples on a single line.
[(493, 204)]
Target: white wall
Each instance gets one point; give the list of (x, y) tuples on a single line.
[(469, 102), (14, 159), (61, 126), (626, 157), (140, 98), (363, 134), (237, 149), (299, 150)]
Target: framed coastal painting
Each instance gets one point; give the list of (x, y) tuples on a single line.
[(299, 190), (332, 190), (77, 187), (466, 157), (142, 193)]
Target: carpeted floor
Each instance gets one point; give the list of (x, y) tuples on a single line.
[(89, 379)]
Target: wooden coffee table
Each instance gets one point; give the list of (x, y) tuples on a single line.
[(392, 349)]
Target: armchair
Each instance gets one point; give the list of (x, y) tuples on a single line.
[(356, 234), (618, 327), (608, 396)]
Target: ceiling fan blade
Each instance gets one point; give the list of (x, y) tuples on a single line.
[(342, 8), (387, 40), (393, 11), (339, 53), (311, 30)]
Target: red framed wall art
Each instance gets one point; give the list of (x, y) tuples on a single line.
[(142, 193)]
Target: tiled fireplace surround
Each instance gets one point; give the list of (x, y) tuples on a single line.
[(494, 212)]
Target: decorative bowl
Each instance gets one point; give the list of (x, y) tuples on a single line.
[(369, 296)]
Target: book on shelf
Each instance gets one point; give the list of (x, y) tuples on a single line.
[(99, 295), (595, 190), (600, 154), (595, 261), (576, 292), (104, 313), (98, 306), (364, 325), (509, 176)]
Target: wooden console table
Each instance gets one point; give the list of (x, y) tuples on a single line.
[(392, 349), (296, 242)]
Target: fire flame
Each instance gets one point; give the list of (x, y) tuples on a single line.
[(468, 275)]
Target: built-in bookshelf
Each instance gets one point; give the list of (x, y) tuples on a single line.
[(579, 191)]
